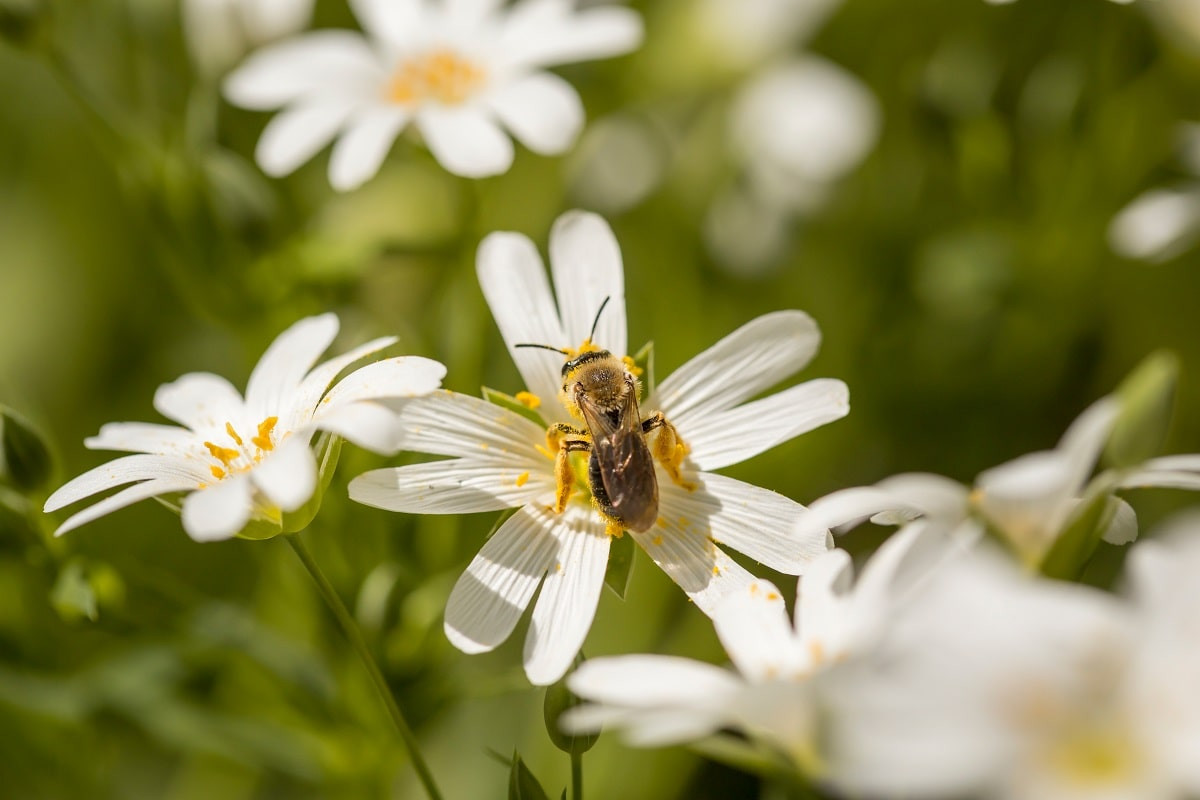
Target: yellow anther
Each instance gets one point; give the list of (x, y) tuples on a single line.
[(587, 347), (225, 455), (441, 75), (632, 366), (772, 596), (528, 399), (522, 479), (263, 440), (217, 472), (232, 433)]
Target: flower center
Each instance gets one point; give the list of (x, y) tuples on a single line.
[(440, 75), (242, 457)]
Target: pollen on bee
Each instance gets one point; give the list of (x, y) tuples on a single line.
[(522, 479), (529, 400), (632, 366)]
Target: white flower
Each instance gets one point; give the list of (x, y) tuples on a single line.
[(1162, 223), (1029, 500), (219, 32), (773, 696), (993, 683), (456, 69), (500, 459), (239, 460)]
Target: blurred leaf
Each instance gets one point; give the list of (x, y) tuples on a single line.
[(620, 565), (20, 20), (1079, 539), (25, 461), (73, 597), (1146, 397), (521, 783), (512, 404), (558, 700)]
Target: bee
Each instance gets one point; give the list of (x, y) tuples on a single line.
[(600, 391)]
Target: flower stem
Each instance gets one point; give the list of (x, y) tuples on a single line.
[(355, 637), (576, 776)]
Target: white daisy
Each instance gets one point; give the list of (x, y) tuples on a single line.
[(500, 458), (242, 460), (459, 70), (773, 696), (1030, 500), (219, 32)]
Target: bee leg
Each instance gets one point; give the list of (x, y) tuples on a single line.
[(561, 440), (669, 448)]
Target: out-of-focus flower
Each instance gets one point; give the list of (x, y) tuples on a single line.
[(747, 32), (239, 461), (994, 683), (219, 32), (459, 70), (1161, 223), (501, 458), (774, 695)]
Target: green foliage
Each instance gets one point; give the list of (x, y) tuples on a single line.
[(560, 699), (1146, 397), (522, 785), (25, 460)]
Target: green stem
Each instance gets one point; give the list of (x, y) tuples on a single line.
[(355, 637), (577, 776)]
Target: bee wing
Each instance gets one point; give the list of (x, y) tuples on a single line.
[(626, 466)]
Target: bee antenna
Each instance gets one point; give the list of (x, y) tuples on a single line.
[(543, 347), (596, 321)]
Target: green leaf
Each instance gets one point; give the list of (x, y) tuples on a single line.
[(513, 404), (644, 359), (558, 700), (25, 461), (521, 783), (620, 565), (73, 596), (1078, 541), (1146, 397)]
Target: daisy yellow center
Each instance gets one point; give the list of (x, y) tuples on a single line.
[(440, 75), (1094, 756), (242, 456)]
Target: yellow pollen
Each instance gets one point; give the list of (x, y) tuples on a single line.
[(816, 651), (441, 75), (753, 588), (558, 567), (263, 440), (586, 347), (544, 452), (217, 472), (528, 399), (484, 446), (658, 540), (613, 529), (683, 522), (632, 366), (522, 479), (716, 570), (772, 596), (223, 454), (232, 433)]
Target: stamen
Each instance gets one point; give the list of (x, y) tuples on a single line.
[(232, 433), (632, 366), (529, 400), (263, 440), (522, 479), (217, 472), (225, 455), (441, 75)]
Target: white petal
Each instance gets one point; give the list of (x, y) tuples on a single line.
[(1086, 437), (465, 141), (368, 425), (1187, 461), (450, 424), (755, 357), (1030, 497), (296, 134), (315, 383), (819, 600), (143, 437), (647, 681), (546, 33), (220, 511), (514, 283), (697, 565), (586, 262), (542, 110), (201, 401), (729, 437), (360, 151), (389, 21), (489, 598), (755, 631), (747, 518), (565, 608), (288, 476), (1156, 225), (457, 486), (127, 469), (400, 377), (277, 375), (1163, 479), (125, 497), (918, 493), (470, 12), (1122, 527), (929, 494), (330, 63)]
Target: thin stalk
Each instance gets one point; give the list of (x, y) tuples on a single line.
[(355, 637), (577, 776)]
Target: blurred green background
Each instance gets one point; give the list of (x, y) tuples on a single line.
[(961, 275)]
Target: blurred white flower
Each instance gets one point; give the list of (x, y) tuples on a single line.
[(1161, 223), (458, 70), (1029, 500), (773, 696), (239, 460), (994, 683), (746, 32), (219, 32), (501, 459)]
